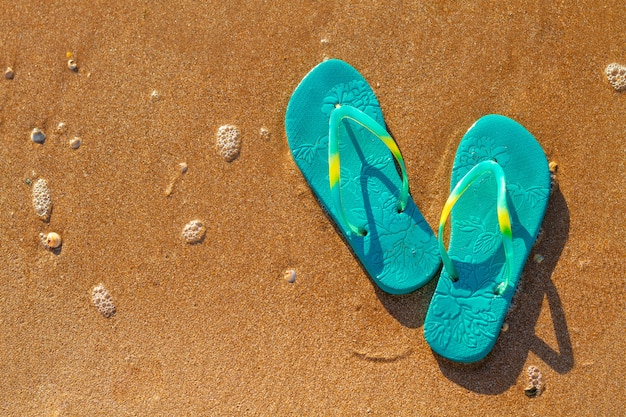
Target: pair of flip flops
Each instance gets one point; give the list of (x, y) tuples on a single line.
[(499, 192)]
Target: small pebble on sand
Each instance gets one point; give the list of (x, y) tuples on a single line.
[(37, 135), (9, 74), (265, 133), (553, 166), (290, 275), (75, 142), (72, 65), (61, 128)]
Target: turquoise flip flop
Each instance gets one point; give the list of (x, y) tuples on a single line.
[(338, 139), (500, 189)]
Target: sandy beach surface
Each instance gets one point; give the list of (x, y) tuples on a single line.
[(214, 328)]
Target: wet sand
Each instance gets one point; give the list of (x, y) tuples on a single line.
[(214, 328)]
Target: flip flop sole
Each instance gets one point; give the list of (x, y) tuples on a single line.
[(465, 317), (399, 251)]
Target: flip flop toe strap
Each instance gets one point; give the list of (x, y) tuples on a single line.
[(353, 114), (504, 217)]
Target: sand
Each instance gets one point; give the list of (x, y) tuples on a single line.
[(214, 328)]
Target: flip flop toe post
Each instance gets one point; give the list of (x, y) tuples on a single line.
[(500, 188), (338, 139)]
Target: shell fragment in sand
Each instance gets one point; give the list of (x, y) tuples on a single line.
[(194, 232), (536, 384), (228, 142), (50, 240), (616, 74), (103, 301), (41, 199)]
